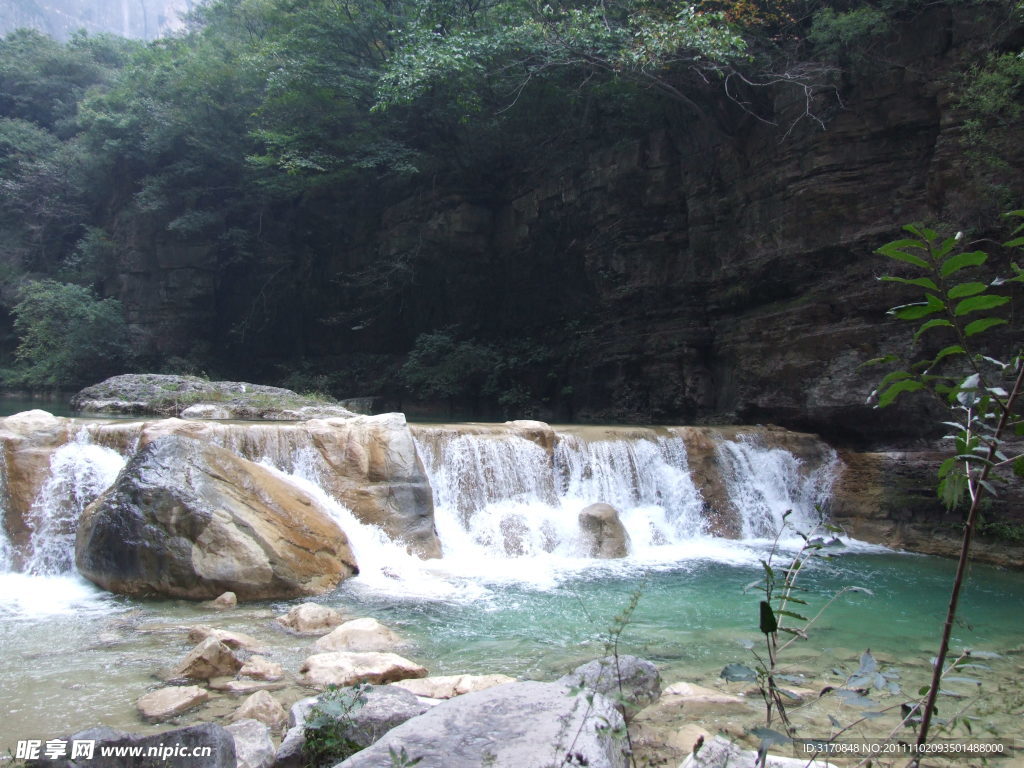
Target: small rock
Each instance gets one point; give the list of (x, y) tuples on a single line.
[(224, 602), (602, 533), (341, 668), (359, 635), (240, 687), (253, 745), (449, 686), (263, 707), (234, 640), (261, 668), (166, 703), (310, 619), (211, 658)]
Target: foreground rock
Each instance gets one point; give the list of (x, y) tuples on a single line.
[(341, 668), (166, 703), (171, 748), (359, 635), (521, 725), (261, 668), (187, 519), (211, 658), (602, 533), (310, 619), (633, 683), (449, 686), (384, 707), (193, 397), (721, 753), (253, 746)]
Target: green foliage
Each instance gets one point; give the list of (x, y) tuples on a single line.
[(67, 337), (983, 395), (842, 34), (325, 727), (440, 366)]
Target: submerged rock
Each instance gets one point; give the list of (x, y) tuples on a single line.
[(187, 519), (602, 532), (165, 703), (520, 725)]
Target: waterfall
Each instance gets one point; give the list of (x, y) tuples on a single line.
[(764, 482), (500, 495), (79, 472)]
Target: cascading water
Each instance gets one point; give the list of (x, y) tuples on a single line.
[(500, 495), (764, 483), (79, 472)]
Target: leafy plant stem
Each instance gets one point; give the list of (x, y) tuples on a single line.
[(976, 489)]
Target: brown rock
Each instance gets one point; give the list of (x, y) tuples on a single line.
[(166, 703), (310, 619), (261, 668), (263, 707), (234, 640), (192, 520), (359, 635), (211, 658), (225, 602), (341, 668), (602, 533)]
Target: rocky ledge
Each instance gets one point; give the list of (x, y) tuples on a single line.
[(192, 397)]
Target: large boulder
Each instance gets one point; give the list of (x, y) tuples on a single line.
[(187, 519), (373, 468), (27, 443), (197, 398), (168, 748), (341, 668), (602, 533), (520, 725)]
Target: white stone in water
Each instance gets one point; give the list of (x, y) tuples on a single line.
[(233, 640), (340, 668), (261, 668), (165, 703), (359, 635), (263, 707), (310, 619), (721, 753), (449, 686), (211, 658)]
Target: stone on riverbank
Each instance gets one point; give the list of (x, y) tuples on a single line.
[(253, 746), (342, 668), (449, 686), (637, 681), (263, 707)]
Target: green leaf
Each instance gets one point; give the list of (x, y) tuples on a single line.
[(956, 263), (906, 385), (791, 614), (894, 250), (977, 303), (768, 623), (936, 323), (954, 349), (916, 311), (966, 289), (983, 324), (921, 282)]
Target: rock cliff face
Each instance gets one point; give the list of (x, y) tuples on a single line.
[(682, 274), (145, 19)]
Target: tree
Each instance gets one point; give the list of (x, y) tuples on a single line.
[(67, 336)]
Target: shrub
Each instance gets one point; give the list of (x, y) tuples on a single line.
[(67, 336)]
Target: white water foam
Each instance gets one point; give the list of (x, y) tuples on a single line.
[(79, 472), (764, 483)]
